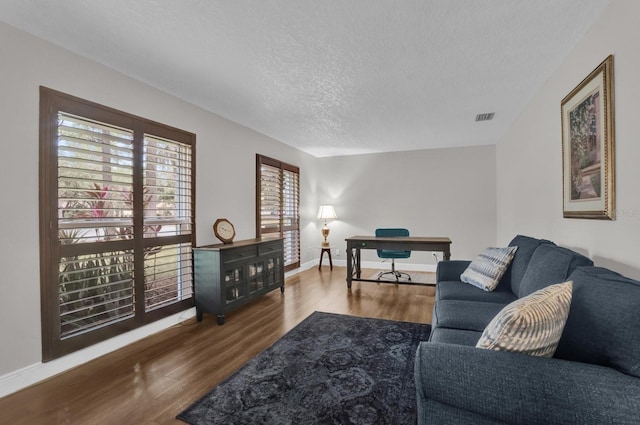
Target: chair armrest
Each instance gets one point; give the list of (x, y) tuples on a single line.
[(517, 388), (451, 270)]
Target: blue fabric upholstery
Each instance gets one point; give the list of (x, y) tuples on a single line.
[(550, 264), (469, 315), (593, 377), (389, 253), (451, 270), (451, 288), (526, 247), (505, 387), (604, 321), (456, 290), (433, 412), (455, 336)]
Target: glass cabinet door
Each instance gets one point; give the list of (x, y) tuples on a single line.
[(255, 276), (234, 284), (272, 272)]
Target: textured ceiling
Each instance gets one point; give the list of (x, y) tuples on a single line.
[(330, 77)]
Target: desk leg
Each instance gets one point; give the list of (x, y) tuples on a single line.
[(446, 255), (349, 264), (358, 263)]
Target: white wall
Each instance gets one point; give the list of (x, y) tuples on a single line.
[(439, 192), (225, 171), (529, 156), (447, 192)]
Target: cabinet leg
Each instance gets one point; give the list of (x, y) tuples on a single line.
[(199, 314), (220, 319), (282, 289)]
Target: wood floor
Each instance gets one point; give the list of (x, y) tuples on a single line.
[(152, 380)]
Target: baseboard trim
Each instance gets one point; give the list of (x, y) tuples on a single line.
[(383, 265), (32, 374)]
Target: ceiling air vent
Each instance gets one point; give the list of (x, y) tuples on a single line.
[(485, 117)]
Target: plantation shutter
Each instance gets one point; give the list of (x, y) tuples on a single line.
[(167, 221), (291, 216), (270, 201), (116, 222), (95, 219), (278, 205)]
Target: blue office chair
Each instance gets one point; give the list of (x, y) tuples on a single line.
[(393, 254)]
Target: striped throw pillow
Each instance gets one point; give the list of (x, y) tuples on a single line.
[(531, 325), (487, 269)]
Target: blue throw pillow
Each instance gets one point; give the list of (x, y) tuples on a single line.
[(487, 269)]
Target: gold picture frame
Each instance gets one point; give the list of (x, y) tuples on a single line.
[(588, 163)]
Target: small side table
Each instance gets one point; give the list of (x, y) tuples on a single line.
[(326, 249)]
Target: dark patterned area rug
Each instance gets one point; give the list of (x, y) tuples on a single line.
[(330, 369)]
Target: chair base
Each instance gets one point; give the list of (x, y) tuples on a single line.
[(395, 273)]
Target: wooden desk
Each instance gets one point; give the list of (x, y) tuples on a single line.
[(410, 243)]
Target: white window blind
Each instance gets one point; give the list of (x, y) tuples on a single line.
[(270, 200), (167, 212), (291, 216), (167, 187), (95, 181), (116, 222), (278, 205), (95, 187)]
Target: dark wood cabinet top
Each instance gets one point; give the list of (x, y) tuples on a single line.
[(238, 244)]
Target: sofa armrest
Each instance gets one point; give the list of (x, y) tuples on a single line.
[(516, 388), (451, 270)]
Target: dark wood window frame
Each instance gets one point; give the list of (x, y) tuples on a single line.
[(151, 163), (288, 219)]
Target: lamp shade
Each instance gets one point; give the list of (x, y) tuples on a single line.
[(326, 211)]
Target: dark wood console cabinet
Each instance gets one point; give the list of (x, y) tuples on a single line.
[(230, 275)]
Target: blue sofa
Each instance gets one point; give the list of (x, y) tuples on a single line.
[(593, 378)]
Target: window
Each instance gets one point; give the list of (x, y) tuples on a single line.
[(278, 205), (116, 217)]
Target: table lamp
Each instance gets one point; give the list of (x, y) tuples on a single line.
[(326, 212)]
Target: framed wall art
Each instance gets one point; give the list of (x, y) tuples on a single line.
[(588, 163)]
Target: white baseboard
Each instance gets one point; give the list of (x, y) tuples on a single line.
[(384, 265), (32, 374), (411, 267), (303, 267)]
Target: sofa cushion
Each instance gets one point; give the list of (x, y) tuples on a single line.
[(550, 264), (526, 247), (603, 326), (530, 325), (451, 269), (455, 336), (469, 315), (456, 290), (487, 269)]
